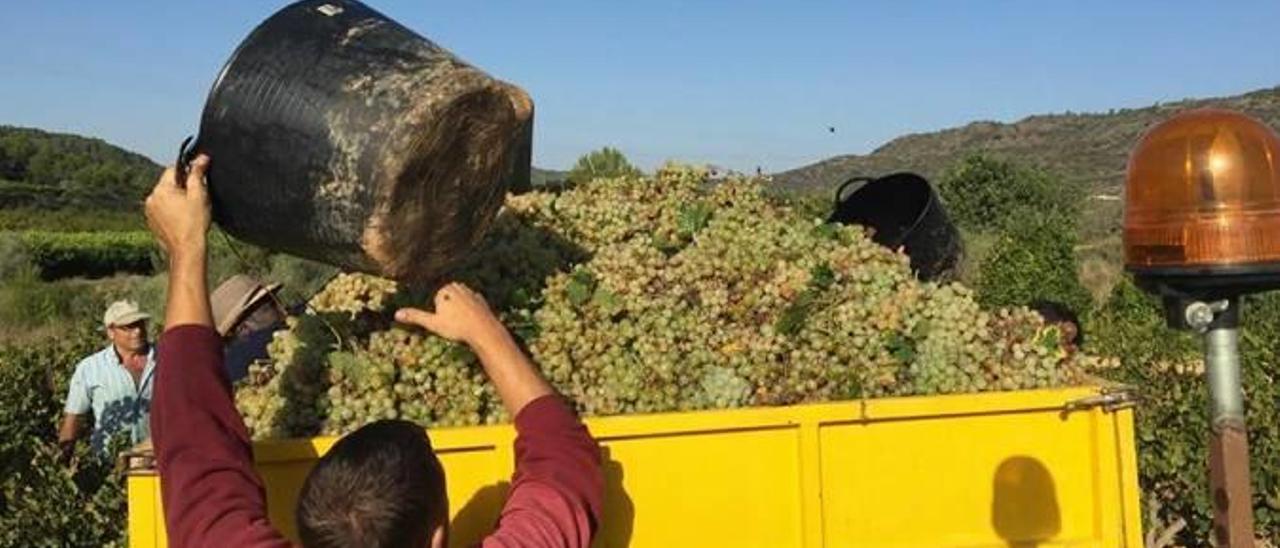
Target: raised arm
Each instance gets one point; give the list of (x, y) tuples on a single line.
[(212, 495), (179, 217), (557, 491)]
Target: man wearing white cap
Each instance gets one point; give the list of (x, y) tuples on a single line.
[(115, 383)]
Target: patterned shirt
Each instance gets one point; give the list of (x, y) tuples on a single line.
[(102, 384)]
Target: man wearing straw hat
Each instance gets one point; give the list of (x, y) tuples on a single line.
[(246, 313), (114, 383)]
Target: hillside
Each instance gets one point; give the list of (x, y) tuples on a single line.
[(60, 171), (1088, 150), (541, 177), (46, 170), (52, 171)]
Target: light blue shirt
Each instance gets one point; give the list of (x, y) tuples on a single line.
[(102, 384)]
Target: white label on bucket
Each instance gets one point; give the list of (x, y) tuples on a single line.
[(329, 9)]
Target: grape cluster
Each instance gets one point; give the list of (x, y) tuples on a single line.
[(657, 294), (1189, 367), (352, 294), (283, 396)]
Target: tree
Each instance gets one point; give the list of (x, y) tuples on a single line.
[(1034, 259), (982, 193), (53, 171), (606, 162)]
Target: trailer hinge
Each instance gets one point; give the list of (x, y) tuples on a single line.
[(1110, 399), (140, 459)]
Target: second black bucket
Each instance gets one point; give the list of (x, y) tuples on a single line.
[(902, 210), (339, 135)]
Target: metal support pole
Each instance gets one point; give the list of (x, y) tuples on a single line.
[(1228, 442), (1222, 366)]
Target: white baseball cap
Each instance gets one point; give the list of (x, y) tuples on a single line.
[(123, 313)]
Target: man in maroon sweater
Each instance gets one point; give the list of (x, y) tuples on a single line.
[(379, 486)]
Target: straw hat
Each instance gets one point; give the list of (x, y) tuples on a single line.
[(234, 297)]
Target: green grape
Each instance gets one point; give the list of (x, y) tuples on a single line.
[(668, 293)]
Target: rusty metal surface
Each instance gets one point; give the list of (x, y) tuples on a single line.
[(1229, 485)]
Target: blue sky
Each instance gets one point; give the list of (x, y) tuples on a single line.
[(738, 84)]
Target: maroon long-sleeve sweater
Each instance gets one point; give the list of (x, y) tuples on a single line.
[(213, 497)]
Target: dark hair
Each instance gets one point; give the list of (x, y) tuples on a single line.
[(381, 485), (1056, 312)]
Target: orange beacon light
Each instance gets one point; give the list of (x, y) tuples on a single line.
[(1201, 229), (1202, 206)]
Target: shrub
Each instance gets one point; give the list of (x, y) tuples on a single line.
[(14, 261), (1034, 259), (604, 163), (28, 195), (977, 247), (51, 504), (65, 220), (982, 193), (26, 301), (1165, 367), (92, 254), (43, 502), (33, 383)]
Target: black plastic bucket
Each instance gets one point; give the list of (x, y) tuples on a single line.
[(902, 210), (339, 135)]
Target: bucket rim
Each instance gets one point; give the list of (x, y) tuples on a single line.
[(932, 196), (216, 87), (226, 68)]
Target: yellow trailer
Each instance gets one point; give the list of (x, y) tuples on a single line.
[(1030, 468)]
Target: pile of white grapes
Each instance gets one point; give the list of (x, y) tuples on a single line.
[(648, 294)]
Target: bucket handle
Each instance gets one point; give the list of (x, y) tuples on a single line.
[(186, 154), (840, 197)]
